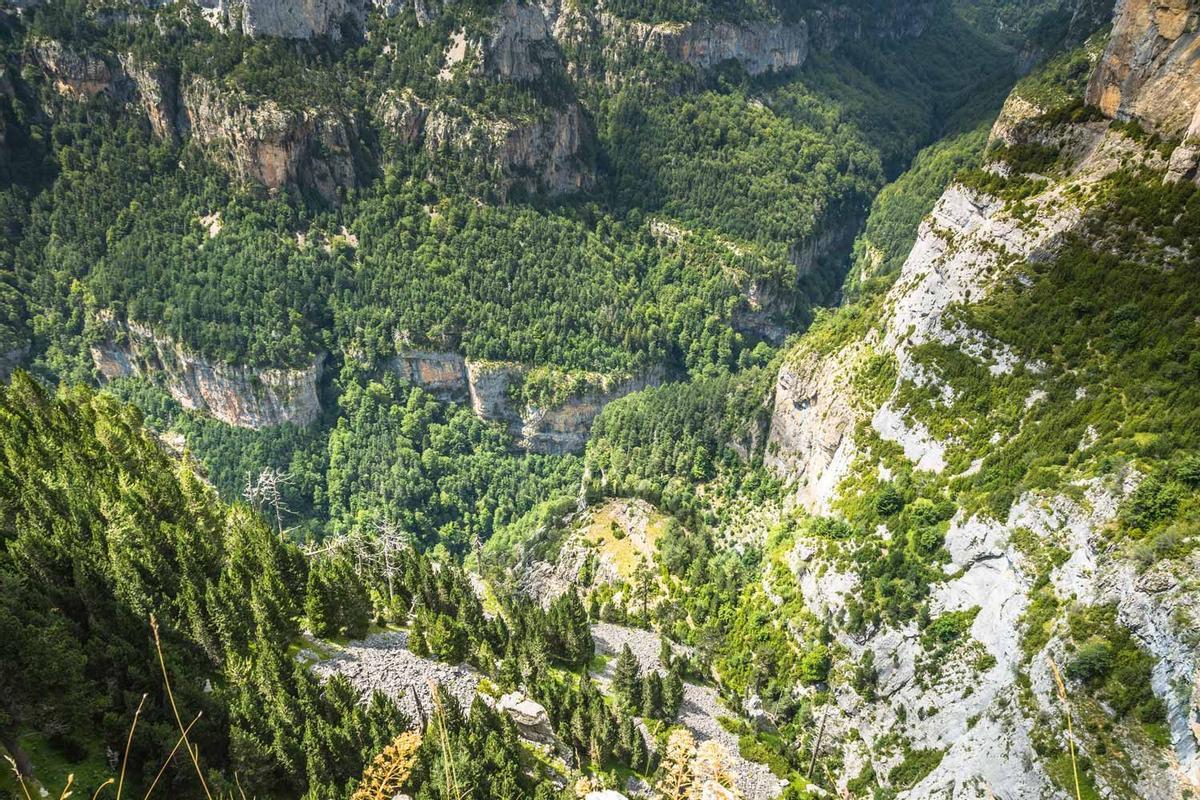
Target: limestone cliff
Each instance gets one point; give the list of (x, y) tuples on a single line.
[(975, 716), (557, 428), (758, 46), (236, 395), (289, 19), (547, 152), (1149, 71), (259, 140), (75, 74), (158, 94), (836, 397), (492, 389), (442, 374), (521, 45)]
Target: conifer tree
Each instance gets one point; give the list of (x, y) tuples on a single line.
[(354, 604), (639, 754), (672, 695), (416, 635), (627, 682), (319, 602), (652, 696)]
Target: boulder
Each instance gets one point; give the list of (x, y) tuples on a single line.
[(531, 718)]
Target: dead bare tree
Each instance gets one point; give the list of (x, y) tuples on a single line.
[(392, 540), (263, 490)]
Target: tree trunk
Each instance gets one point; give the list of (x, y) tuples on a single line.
[(11, 744)]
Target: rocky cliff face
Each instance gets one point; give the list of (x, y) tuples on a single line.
[(258, 140), (248, 398), (75, 74), (289, 19), (442, 374), (979, 721), (547, 152), (1149, 71), (758, 46), (521, 46), (520, 42), (158, 93), (561, 428), (490, 389)]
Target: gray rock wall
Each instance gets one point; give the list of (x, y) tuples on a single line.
[(236, 395)]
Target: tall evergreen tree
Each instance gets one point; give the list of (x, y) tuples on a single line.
[(652, 695), (627, 680), (672, 695)]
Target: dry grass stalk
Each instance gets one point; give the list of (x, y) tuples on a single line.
[(170, 757), (1062, 696), (178, 720), (450, 778), (67, 790), (128, 743), (20, 778)]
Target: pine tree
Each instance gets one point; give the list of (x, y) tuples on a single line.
[(672, 695), (416, 636), (354, 604), (318, 602), (639, 754), (652, 696), (627, 681), (643, 586)]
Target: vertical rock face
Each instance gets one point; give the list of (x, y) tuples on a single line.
[(248, 398), (762, 46), (443, 375), (490, 387), (565, 428), (402, 116), (522, 46), (545, 154), (289, 19), (758, 46), (263, 142), (74, 74), (1149, 72), (1185, 160), (809, 441), (970, 243), (158, 92)]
